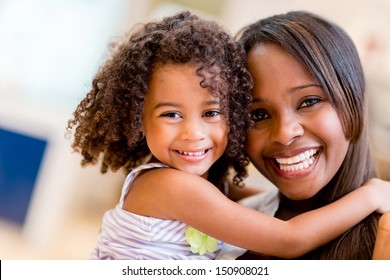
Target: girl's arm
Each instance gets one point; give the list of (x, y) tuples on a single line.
[(171, 194), (236, 193)]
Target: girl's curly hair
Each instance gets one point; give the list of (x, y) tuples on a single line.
[(108, 120)]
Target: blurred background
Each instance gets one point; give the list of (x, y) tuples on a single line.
[(50, 207)]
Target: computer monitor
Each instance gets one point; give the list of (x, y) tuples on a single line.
[(20, 161)]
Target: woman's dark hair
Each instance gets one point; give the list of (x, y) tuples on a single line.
[(331, 57), (108, 120)]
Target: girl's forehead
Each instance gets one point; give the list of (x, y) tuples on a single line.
[(163, 67), (181, 79), (210, 76)]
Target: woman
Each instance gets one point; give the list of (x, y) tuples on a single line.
[(309, 136)]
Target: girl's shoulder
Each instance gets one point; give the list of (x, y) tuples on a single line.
[(160, 192), (134, 174), (170, 182)]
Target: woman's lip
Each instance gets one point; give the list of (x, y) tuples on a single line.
[(301, 157), (291, 153), (301, 172)]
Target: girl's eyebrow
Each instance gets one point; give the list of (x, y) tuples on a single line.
[(211, 102), (175, 104), (166, 104), (291, 90)]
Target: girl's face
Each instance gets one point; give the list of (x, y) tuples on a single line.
[(298, 141), (183, 124)]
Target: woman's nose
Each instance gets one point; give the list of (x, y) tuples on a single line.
[(286, 130)]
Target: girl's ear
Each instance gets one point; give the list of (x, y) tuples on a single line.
[(141, 134)]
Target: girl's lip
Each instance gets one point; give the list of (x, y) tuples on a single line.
[(193, 152), (193, 155)]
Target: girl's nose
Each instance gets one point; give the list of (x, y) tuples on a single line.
[(193, 129)]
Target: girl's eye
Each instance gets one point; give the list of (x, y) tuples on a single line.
[(310, 102), (259, 115), (211, 113), (173, 115)]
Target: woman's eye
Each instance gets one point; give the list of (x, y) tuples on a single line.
[(211, 113), (310, 102), (172, 115), (259, 114)]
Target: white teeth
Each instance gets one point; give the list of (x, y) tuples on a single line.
[(298, 158), (192, 154), (298, 162)]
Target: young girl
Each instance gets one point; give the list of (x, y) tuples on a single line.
[(309, 98), (171, 106)]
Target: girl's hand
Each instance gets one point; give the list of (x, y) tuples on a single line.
[(382, 243), (381, 194)]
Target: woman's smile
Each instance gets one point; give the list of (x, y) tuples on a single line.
[(299, 165)]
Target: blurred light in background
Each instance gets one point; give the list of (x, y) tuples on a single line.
[(50, 48)]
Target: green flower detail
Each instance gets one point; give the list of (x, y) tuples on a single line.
[(200, 242)]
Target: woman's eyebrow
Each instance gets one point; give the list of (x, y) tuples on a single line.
[(297, 88), (291, 90)]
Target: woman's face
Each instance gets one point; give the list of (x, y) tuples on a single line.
[(298, 141)]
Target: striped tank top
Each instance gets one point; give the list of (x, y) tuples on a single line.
[(128, 236)]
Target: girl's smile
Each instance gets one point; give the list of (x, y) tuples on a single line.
[(193, 155)]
